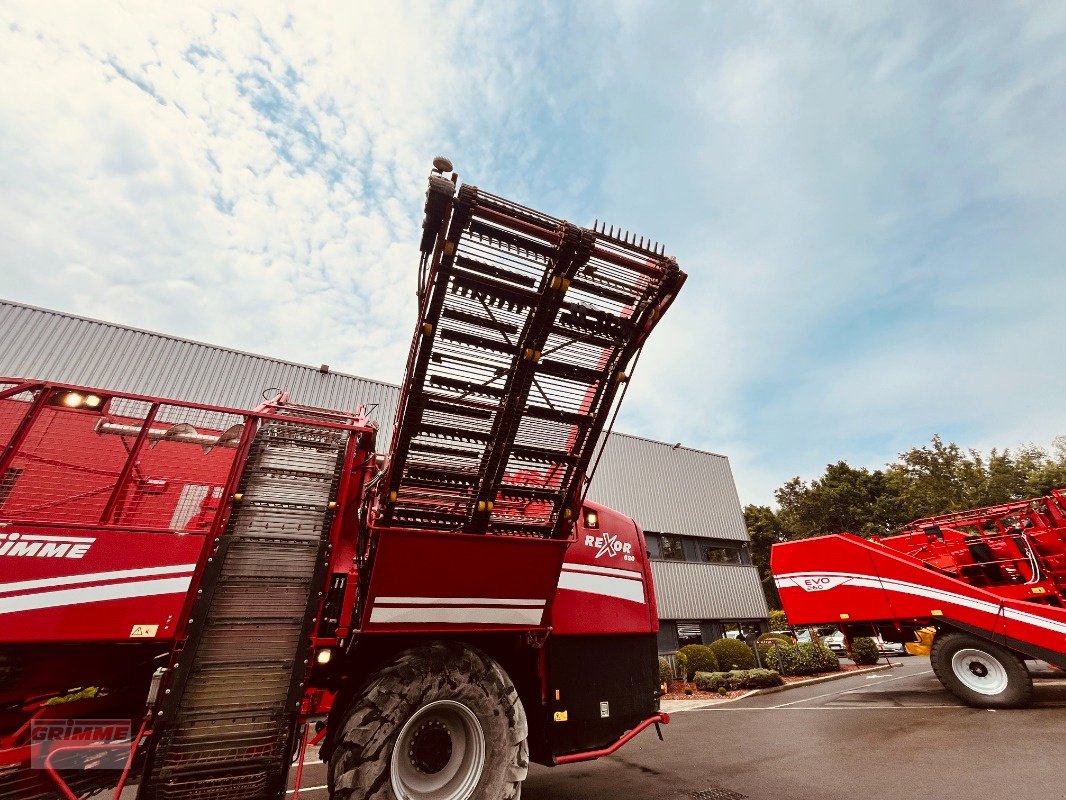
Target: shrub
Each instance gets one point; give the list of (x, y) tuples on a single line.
[(688, 691), (864, 651), (681, 665), (778, 621), (666, 672), (762, 679), (824, 659), (802, 659), (733, 654), (700, 658), (722, 682)]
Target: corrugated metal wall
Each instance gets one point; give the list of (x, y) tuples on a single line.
[(38, 343), (666, 489), (694, 591), (669, 489)]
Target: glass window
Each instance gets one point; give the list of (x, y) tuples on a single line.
[(654, 544), (672, 548), (721, 555), (688, 633)]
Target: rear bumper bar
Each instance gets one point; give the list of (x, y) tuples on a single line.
[(589, 755)]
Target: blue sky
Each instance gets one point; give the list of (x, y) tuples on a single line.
[(869, 198)]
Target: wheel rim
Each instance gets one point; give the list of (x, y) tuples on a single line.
[(979, 671), (439, 753)]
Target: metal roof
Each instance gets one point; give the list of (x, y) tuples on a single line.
[(689, 590), (667, 489), (50, 345)]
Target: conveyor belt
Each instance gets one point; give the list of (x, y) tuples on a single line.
[(228, 719), (526, 328)]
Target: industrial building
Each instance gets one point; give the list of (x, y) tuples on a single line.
[(685, 499)]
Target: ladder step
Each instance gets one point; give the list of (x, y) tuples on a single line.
[(480, 342), (572, 372), (460, 408), (583, 336), (482, 268), (439, 477), (493, 292), (467, 387), (543, 454), (556, 415), (422, 447), (459, 434), (592, 320), (473, 319), (509, 240), (528, 492), (598, 289)]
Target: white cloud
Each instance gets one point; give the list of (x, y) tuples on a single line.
[(869, 199)]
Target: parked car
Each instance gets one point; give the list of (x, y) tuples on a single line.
[(835, 642)]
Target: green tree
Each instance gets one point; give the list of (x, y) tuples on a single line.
[(843, 499), (765, 531)]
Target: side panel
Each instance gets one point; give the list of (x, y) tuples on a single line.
[(61, 584), (599, 688), (435, 581), (604, 586)]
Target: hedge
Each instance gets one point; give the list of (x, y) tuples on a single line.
[(666, 672), (864, 651), (733, 654), (700, 658), (800, 659), (737, 679)]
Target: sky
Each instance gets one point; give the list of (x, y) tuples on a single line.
[(869, 198)]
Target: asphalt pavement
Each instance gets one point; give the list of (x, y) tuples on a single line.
[(895, 733)]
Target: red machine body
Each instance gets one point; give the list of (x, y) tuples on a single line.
[(220, 579), (996, 573)]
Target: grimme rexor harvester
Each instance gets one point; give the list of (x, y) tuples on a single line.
[(190, 594), (990, 584)]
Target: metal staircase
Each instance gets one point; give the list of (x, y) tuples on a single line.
[(230, 711), (527, 324)]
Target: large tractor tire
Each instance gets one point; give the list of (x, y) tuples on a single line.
[(440, 722), (980, 673)]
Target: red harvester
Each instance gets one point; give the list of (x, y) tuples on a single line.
[(988, 584), (189, 595)]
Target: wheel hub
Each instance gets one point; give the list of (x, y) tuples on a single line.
[(431, 747), (979, 671), (439, 753)]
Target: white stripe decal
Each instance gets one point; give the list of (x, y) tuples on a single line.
[(621, 573), (40, 537), (903, 587), (94, 577), (93, 594), (605, 585), (458, 615), (457, 601)]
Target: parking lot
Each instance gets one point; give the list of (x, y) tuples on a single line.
[(895, 733)]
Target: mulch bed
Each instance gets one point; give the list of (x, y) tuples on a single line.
[(677, 688)]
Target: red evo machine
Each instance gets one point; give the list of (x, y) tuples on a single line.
[(989, 583), (189, 594)]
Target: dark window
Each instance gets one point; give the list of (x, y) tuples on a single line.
[(721, 555), (689, 633), (673, 548), (7, 483), (655, 547)]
